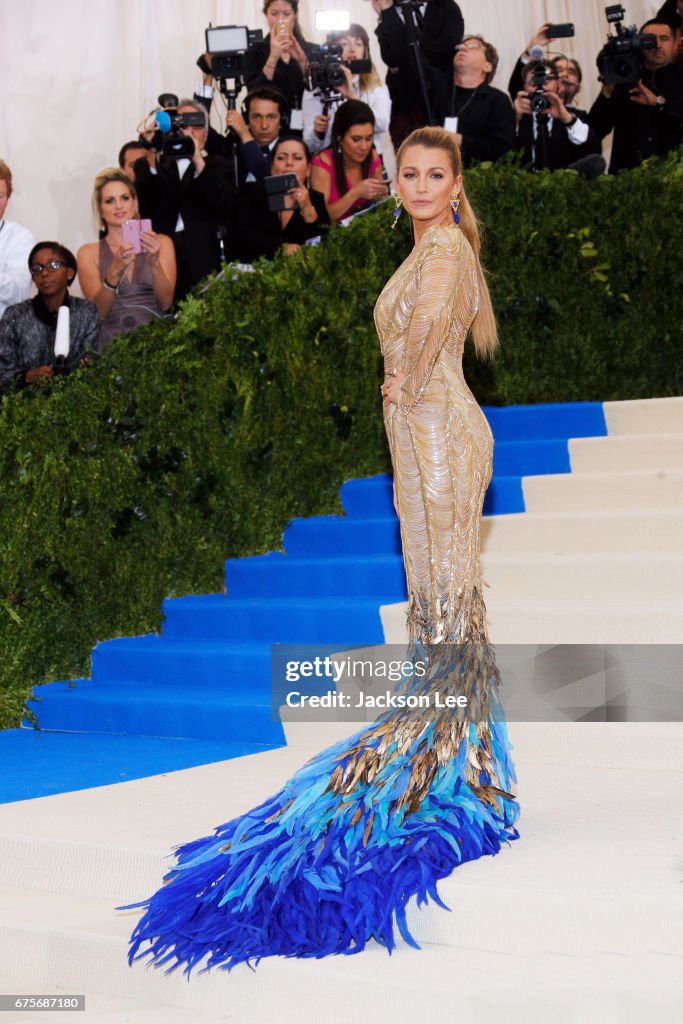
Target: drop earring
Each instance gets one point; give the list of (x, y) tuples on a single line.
[(455, 206), (397, 211)]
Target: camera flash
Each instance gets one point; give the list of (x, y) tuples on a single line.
[(332, 21)]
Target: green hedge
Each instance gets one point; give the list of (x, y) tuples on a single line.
[(193, 441)]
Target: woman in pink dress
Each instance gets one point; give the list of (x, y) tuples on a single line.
[(349, 174)]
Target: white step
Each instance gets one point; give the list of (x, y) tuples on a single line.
[(608, 578), (645, 416), (638, 621), (626, 452), (564, 492), (644, 530)]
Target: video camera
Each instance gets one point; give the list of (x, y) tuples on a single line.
[(619, 61), (169, 122), (540, 74), (325, 70), (227, 45)]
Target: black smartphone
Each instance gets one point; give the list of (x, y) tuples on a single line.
[(277, 186), (564, 31)]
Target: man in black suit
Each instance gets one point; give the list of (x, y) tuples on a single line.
[(190, 200), (440, 27), (554, 137), (647, 118), (466, 103)]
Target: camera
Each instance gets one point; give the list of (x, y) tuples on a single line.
[(227, 45), (541, 74), (169, 122), (619, 60), (325, 70)]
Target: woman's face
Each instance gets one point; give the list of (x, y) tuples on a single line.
[(353, 48), (117, 203), (279, 10), (426, 183), (356, 143), (290, 158), (48, 281)]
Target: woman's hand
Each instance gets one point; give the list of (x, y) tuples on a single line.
[(347, 90), (391, 387), (371, 188), (151, 244), (280, 49), (302, 198), (298, 54), (320, 125), (119, 265)]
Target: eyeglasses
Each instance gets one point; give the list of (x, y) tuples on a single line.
[(51, 266), (469, 46)]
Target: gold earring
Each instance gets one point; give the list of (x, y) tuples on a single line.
[(455, 206)]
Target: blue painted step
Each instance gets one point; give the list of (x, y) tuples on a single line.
[(299, 620), (278, 575), (191, 714), (372, 498), (553, 420), (40, 763), (209, 666)]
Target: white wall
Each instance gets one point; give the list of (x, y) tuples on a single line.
[(78, 75)]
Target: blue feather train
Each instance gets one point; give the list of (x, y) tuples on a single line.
[(321, 868)]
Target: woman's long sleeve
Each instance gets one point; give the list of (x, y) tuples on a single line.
[(443, 302)]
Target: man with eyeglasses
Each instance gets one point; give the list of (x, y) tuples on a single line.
[(15, 245), (51, 333), (465, 103)]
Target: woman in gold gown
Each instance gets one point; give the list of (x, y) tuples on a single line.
[(332, 860)]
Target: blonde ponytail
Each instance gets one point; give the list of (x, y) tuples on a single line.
[(484, 330)]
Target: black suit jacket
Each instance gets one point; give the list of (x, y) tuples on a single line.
[(257, 232), (204, 202), (441, 30), (561, 151), (641, 131), (486, 119)]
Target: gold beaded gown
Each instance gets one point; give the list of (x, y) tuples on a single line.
[(333, 859)]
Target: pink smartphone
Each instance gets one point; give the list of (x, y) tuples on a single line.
[(131, 231)]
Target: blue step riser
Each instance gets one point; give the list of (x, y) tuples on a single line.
[(184, 719), (356, 577), (208, 672), (333, 535), (373, 499), (557, 420), (277, 622)]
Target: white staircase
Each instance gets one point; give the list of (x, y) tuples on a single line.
[(578, 922)]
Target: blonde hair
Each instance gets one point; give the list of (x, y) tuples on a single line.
[(484, 330), (6, 175), (105, 177)]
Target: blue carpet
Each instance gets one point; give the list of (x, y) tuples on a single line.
[(201, 691), (40, 763)]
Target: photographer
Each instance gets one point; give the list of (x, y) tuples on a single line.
[(481, 117), (189, 199), (260, 231), (349, 173), (567, 68), (647, 116), (136, 150), (355, 46), (258, 126), (549, 134), (438, 32), (52, 332), (280, 59)]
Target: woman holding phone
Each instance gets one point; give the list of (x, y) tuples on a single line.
[(130, 274), (349, 173), (279, 59)]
